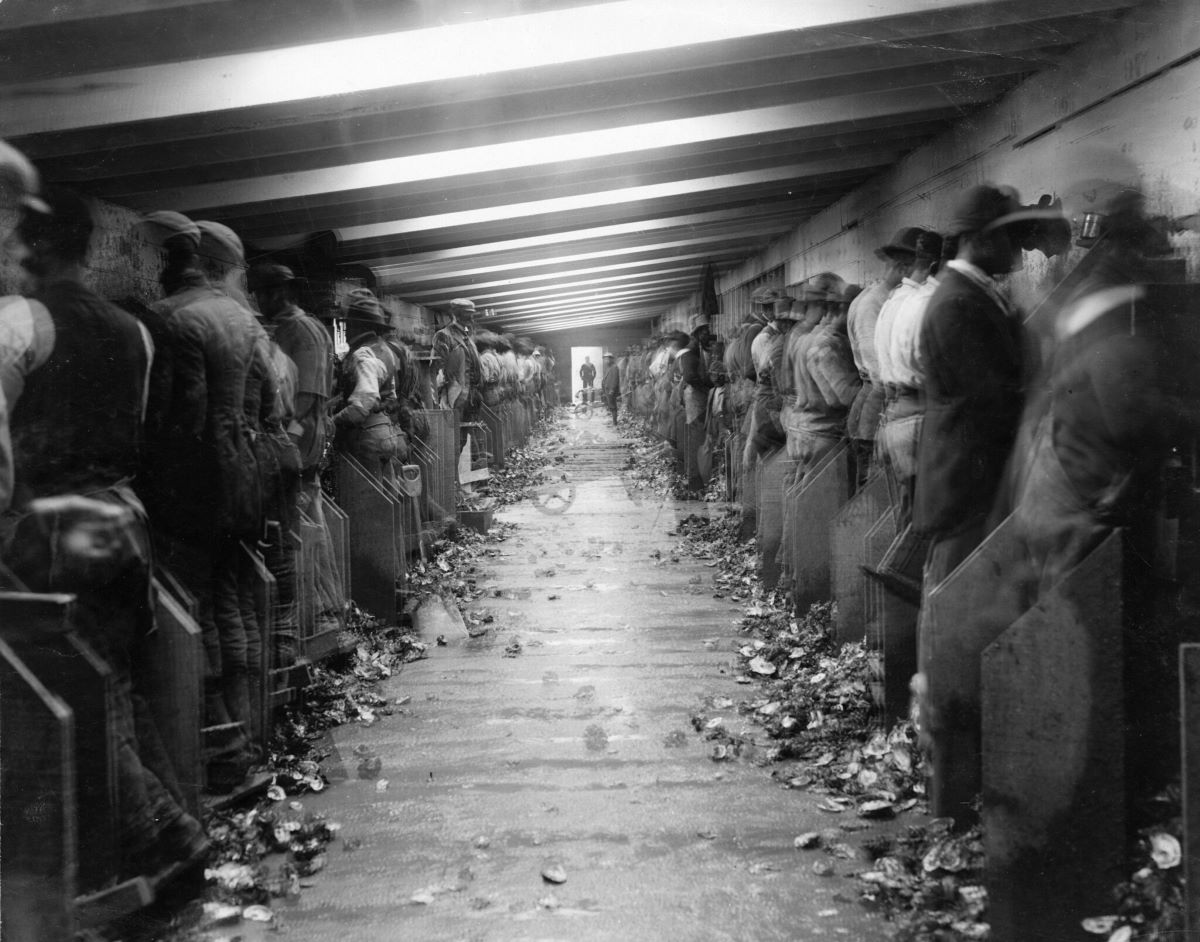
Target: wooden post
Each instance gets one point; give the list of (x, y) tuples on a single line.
[(374, 572), (1189, 692), (825, 488), (1053, 756), (37, 807), (962, 615), (849, 528)]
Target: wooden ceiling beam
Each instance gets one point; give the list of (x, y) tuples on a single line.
[(400, 59)]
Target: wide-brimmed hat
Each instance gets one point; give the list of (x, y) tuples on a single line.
[(220, 243), (162, 225), (985, 206), (904, 242)]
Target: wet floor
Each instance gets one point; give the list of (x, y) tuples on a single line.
[(576, 753)]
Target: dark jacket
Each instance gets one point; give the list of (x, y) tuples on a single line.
[(974, 398), (78, 423), (203, 473), (611, 384)]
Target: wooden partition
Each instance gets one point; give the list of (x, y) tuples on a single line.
[(39, 629), (337, 525), (496, 429), (769, 490), (1189, 697), (374, 562), (963, 615), (39, 864), (847, 548), (1053, 747), (173, 688), (274, 687), (815, 501), (440, 468)]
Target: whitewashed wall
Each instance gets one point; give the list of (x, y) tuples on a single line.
[(1124, 106)]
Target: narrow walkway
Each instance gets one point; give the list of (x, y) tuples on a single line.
[(578, 750)]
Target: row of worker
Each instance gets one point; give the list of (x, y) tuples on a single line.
[(1067, 426), (154, 436)]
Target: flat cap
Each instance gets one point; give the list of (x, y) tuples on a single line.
[(162, 225), (462, 304), (18, 179), (220, 243), (268, 275)]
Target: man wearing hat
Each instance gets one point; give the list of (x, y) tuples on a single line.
[(306, 342), (827, 381), (610, 385), (203, 487), (862, 320), (366, 389), (973, 345), (459, 360)]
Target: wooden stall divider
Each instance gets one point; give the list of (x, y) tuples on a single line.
[(815, 502), (40, 630), (769, 516), (337, 522), (39, 866), (441, 474), (1053, 756), (962, 615), (173, 691), (492, 419), (849, 528), (374, 563), (275, 686), (1189, 693)]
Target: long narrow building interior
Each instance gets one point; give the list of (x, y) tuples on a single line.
[(599, 470)]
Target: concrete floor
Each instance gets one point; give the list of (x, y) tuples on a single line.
[(578, 751)]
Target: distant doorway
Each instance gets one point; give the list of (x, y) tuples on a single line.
[(580, 356)]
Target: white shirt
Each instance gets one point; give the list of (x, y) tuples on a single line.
[(883, 327), (907, 361)]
